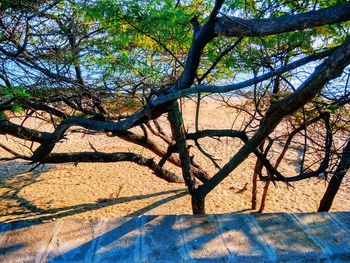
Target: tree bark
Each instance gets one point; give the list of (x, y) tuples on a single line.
[(102, 157), (263, 197), (257, 170), (238, 27), (179, 134), (198, 203)]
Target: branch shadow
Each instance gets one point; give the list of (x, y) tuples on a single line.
[(14, 176), (208, 238), (49, 214)]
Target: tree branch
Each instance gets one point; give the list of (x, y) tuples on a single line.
[(24, 133), (237, 27), (328, 70), (92, 157)]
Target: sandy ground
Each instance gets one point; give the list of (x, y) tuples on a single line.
[(125, 189)]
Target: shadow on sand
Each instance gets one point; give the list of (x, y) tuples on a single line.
[(15, 176)]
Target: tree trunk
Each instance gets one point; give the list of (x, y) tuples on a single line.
[(179, 134), (198, 203), (257, 170), (255, 185), (336, 180), (263, 197)]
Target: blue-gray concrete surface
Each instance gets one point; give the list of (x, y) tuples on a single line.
[(306, 237)]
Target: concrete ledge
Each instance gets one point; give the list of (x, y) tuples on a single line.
[(310, 237)]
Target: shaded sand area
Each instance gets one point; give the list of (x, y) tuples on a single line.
[(90, 190)]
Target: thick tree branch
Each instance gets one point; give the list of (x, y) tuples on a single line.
[(140, 117), (92, 157), (237, 27), (179, 134), (201, 37), (18, 131), (217, 133)]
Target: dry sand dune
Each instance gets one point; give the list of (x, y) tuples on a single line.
[(124, 189)]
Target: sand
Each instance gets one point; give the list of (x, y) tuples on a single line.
[(91, 190)]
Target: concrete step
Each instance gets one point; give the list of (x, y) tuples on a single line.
[(280, 237)]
